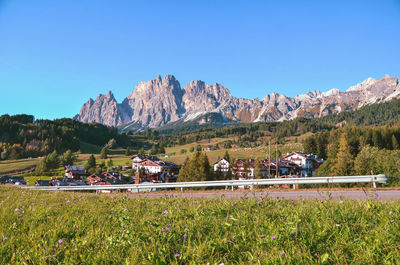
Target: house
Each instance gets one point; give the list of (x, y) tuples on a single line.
[(66, 182), (208, 148), (243, 169), (41, 182), (12, 180), (222, 164), (308, 163), (152, 164), (269, 166), (75, 172)]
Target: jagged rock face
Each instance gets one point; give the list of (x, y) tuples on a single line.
[(156, 102), (161, 101), (105, 109)]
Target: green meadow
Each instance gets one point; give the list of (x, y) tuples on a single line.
[(81, 228)]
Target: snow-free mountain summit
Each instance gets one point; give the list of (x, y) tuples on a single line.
[(158, 102)]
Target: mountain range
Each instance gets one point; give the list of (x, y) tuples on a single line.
[(162, 101)]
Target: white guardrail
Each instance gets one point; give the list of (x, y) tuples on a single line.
[(373, 179)]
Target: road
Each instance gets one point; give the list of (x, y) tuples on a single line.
[(292, 195)]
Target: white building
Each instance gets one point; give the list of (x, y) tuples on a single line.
[(307, 162), (222, 164)]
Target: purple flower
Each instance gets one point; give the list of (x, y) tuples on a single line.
[(392, 221), (258, 203), (23, 211), (184, 237), (68, 201), (33, 210), (282, 253), (112, 212), (340, 202), (5, 239), (16, 209), (60, 242), (165, 229), (292, 202), (262, 236), (176, 255), (273, 237), (322, 201), (390, 213), (166, 212), (186, 217), (169, 225)]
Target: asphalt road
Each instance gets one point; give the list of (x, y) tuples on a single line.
[(293, 195)]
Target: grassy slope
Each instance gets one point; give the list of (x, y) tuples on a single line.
[(8, 165), (120, 230)]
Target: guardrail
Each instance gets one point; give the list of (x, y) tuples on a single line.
[(373, 179)]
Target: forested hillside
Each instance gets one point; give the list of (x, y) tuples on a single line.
[(23, 136)]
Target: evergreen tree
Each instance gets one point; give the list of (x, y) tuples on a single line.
[(344, 163), (110, 163), (103, 153), (68, 158), (128, 151), (91, 164), (257, 169), (395, 143), (227, 156)]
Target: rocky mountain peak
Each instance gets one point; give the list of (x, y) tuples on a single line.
[(162, 100)]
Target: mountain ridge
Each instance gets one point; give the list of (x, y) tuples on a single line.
[(162, 101)]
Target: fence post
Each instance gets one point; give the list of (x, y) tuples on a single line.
[(181, 189)]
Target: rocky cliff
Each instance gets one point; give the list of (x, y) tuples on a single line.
[(161, 101)]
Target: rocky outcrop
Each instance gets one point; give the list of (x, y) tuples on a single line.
[(161, 101)]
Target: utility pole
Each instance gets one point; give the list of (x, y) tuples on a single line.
[(276, 159), (269, 158)]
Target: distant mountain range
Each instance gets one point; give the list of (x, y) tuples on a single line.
[(162, 101)]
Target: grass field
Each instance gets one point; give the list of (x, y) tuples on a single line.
[(8, 165), (77, 228)]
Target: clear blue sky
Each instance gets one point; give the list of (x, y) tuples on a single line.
[(55, 55)]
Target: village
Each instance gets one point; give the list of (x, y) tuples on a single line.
[(151, 169)]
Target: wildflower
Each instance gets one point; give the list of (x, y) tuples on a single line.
[(60, 242), (282, 253), (298, 251), (169, 225), (262, 236), (33, 210), (184, 237), (292, 202), (186, 217), (166, 212), (112, 212), (258, 203), (340, 202), (165, 229), (376, 196), (273, 237), (16, 209), (392, 221), (176, 255), (68, 201), (390, 213), (5, 239), (337, 225), (23, 211), (322, 201)]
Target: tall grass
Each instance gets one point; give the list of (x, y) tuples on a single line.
[(77, 228)]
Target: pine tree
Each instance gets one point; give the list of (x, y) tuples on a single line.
[(128, 151), (395, 143), (103, 153), (91, 164), (344, 163)]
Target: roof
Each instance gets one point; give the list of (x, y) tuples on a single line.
[(305, 155), (222, 158)]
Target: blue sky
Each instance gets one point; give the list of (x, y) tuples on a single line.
[(55, 55)]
